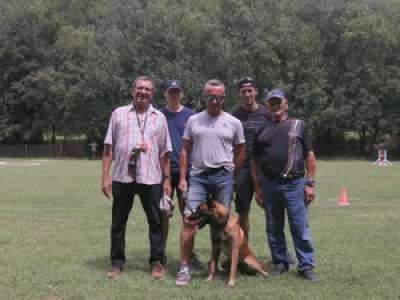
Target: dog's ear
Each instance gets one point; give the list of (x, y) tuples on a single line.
[(205, 219), (196, 215)]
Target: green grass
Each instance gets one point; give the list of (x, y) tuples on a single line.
[(54, 239)]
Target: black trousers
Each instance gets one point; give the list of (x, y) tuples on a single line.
[(123, 195)]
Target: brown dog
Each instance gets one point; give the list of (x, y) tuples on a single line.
[(226, 235)]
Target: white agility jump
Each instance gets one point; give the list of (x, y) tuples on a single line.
[(382, 160)]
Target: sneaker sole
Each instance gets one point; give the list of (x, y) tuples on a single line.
[(309, 280), (179, 283)]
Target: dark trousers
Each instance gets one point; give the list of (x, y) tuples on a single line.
[(174, 184), (123, 195)]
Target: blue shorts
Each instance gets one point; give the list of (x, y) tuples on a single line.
[(214, 183)]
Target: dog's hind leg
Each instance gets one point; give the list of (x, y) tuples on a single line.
[(237, 240), (252, 263)]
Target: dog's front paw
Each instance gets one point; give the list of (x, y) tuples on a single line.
[(264, 274)]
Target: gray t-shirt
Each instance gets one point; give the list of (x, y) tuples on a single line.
[(213, 140)]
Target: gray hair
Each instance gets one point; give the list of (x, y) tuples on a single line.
[(143, 78)]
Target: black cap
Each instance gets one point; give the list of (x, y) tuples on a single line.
[(173, 84), (247, 82)]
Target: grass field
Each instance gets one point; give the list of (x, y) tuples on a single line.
[(54, 239)]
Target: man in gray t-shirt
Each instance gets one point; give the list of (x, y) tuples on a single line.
[(214, 140)]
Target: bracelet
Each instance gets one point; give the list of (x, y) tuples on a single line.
[(167, 177)]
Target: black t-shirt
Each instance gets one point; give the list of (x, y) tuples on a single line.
[(271, 147), (251, 121)]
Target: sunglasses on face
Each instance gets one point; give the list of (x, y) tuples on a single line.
[(210, 98), (275, 101), (173, 91)]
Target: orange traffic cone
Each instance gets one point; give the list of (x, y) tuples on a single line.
[(343, 199)]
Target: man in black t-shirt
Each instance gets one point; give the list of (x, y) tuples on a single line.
[(282, 150), (252, 115)]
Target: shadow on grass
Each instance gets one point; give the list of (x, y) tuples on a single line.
[(137, 262), (98, 263)]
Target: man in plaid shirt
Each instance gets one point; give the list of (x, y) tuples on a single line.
[(138, 142)]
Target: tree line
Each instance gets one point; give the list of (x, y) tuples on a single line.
[(65, 64)]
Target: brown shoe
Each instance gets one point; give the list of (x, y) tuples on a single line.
[(158, 270), (114, 273)]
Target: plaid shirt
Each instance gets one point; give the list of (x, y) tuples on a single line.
[(124, 133)]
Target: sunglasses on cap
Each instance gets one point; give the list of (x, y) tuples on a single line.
[(247, 82), (210, 98)]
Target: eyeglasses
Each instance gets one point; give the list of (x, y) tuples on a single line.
[(210, 98)]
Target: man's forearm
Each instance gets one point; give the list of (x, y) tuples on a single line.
[(107, 159), (184, 158), (311, 165), (254, 174), (165, 161), (183, 163), (239, 156)]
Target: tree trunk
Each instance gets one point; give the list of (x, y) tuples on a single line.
[(53, 133)]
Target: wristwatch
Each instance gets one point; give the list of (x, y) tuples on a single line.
[(166, 177), (310, 182)]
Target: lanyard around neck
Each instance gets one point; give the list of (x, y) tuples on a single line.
[(141, 128)]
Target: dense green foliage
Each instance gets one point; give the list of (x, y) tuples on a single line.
[(66, 64)]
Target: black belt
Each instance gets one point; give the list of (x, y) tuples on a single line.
[(211, 171), (281, 177)]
